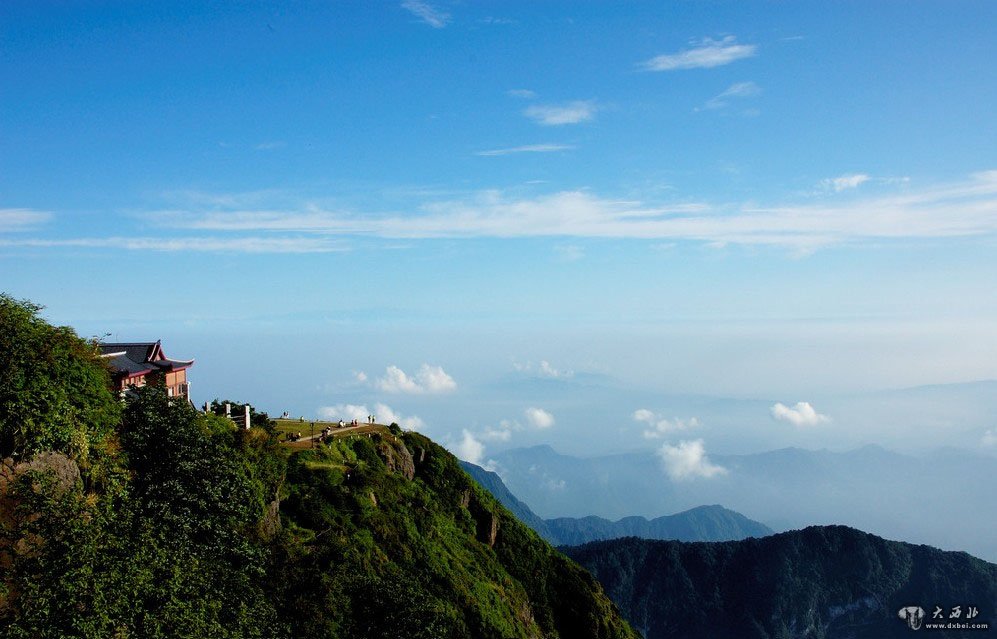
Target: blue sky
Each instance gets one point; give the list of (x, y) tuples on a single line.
[(783, 201)]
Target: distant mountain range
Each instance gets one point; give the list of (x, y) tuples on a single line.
[(828, 582), (703, 523), (941, 499)]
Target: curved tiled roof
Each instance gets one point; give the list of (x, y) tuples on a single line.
[(137, 358)]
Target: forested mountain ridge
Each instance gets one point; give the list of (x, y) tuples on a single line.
[(703, 523), (823, 582), (868, 488), (148, 519)]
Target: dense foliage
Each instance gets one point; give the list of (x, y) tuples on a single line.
[(820, 582), (54, 394), (149, 519), (393, 530)]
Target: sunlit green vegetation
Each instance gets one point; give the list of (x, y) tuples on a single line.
[(145, 518)]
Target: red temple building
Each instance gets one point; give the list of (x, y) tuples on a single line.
[(140, 363)]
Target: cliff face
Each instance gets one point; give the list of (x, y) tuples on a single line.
[(816, 583), (387, 536)]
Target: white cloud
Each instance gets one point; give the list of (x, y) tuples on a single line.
[(957, 209), (529, 148), (345, 412), (538, 417), (526, 94), (499, 434), (688, 460), (22, 219), (495, 20), (659, 426), (801, 415), (382, 413), (360, 376), (427, 380), (735, 91), (543, 369), (554, 485), (469, 448), (558, 114), (709, 53), (385, 415), (546, 370), (843, 182), (427, 13), (192, 244), (989, 437)]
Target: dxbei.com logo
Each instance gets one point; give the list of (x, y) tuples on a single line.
[(913, 615), (957, 618)]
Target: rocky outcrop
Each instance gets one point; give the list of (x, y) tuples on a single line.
[(61, 474), (397, 458), (270, 525)]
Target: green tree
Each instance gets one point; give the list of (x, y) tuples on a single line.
[(197, 499), (54, 388)]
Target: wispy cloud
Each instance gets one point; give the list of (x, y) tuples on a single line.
[(843, 182), (737, 91), (529, 148), (22, 219), (660, 426), (544, 369), (191, 244), (560, 114), (958, 209), (801, 415), (496, 21), (501, 434), (427, 380), (989, 437), (427, 13), (526, 94), (688, 460), (706, 54), (569, 253)]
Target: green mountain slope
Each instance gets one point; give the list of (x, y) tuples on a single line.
[(405, 541), (491, 482), (143, 518), (820, 582), (704, 523)]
